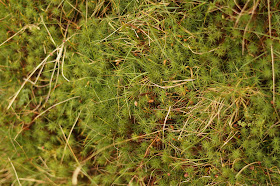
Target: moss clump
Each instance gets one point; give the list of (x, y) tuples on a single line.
[(139, 92)]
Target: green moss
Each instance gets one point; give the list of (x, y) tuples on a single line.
[(128, 62)]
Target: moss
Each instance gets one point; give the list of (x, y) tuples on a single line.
[(142, 93)]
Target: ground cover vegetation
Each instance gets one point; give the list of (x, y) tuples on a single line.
[(139, 92)]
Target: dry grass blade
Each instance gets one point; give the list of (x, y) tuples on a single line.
[(14, 171), (30, 75), (98, 7), (60, 50), (228, 139), (36, 68), (112, 145), (165, 120), (271, 51), (215, 109), (42, 20), (21, 30), (244, 168), (52, 107), (253, 11), (32, 180), (67, 141), (273, 73), (62, 63), (167, 87), (241, 13), (201, 53)]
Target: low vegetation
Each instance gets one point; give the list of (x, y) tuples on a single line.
[(139, 92)]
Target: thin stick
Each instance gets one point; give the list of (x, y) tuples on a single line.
[(59, 4), (60, 50), (34, 83), (57, 75), (26, 80), (165, 120), (272, 54), (5, 16), (239, 15), (74, 7), (200, 53), (98, 6), (86, 10), (67, 141), (39, 74), (24, 28), (64, 53), (212, 118), (253, 11), (110, 34), (52, 107), (50, 83), (228, 140), (69, 146), (32, 180), (269, 176), (42, 63), (112, 145), (237, 5), (48, 31), (177, 81), (114, 32), (57, 62), (147, 150), (167, 87), (273, 73), (185, 124), (14, 171), (244, 169)]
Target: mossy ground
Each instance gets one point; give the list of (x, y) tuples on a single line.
[(139, 92)]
